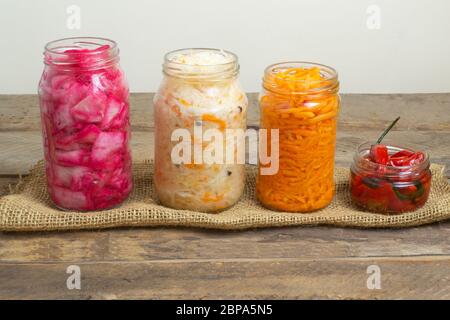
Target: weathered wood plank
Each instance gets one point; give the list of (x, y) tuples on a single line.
[(6, 183), (22, 149), (417, 278), (418, 111), (155, 244)]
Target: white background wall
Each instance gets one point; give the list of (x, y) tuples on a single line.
[(410, 52)]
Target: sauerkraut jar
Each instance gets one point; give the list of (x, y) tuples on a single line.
[(85, 123), (200, 91), (301, 101)]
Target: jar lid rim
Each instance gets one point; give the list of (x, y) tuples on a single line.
[(195, 71), (51, 48), (291, 64), (328, 82), (173, 52), (365, 147), (95, 53)]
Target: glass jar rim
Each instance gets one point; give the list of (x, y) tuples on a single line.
[(364, 149), (55, 54), (76, 42), (330, 82), (200, 71)]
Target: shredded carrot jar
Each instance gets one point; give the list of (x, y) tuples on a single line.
[(300, 100)]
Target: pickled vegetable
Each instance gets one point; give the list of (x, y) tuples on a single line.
[(389, 179), (203, 93), (389, 189), (85, 120), (302, 103)]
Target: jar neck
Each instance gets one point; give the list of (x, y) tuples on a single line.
[(285, 79), (362, 165), (201, 64), (81, 54)]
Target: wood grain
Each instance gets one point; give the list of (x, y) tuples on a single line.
[(418, 111), (313, 263), (418, 278), (149, 244)]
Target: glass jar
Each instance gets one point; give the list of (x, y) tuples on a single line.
[(301, 101), (386, 188), (85, 123), (200, 92)]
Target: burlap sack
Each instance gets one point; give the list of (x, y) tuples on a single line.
[(29, 208)]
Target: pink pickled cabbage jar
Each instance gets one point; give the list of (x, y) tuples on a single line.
[(85, 123)]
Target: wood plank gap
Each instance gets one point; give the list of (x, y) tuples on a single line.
[(406, 258)]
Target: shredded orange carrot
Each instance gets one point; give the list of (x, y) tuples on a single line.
[(211, 118), (306, 118), (194, 165), (176, 110), (208, 197)]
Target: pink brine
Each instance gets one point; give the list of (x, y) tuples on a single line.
[(85, 122)]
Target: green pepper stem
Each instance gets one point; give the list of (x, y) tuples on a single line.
[(387, 130)]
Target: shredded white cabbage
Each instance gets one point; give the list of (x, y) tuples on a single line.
[(209, 103), (202, 57)]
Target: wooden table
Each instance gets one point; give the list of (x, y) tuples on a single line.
[(302, 262)]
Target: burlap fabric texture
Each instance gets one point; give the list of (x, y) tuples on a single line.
[(28, 208)]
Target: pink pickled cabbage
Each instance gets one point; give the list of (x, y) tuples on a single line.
[(85, 119)]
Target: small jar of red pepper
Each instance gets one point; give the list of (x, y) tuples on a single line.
[(389, 179)]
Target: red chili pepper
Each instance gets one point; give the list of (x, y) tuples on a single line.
[(400, 161), (402, 153), (401, 158), (405, 158), (379, 152), (357, 190), (418, 158)]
